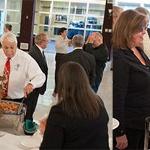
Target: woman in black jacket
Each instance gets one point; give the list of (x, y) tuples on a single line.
[(131, 80), (79, 120)]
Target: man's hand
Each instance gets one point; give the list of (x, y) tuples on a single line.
[(69, 43), (28, 89), (122, 142)]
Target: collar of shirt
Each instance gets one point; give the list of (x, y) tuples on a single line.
[(15, 54), (3, 54), (40, 48), (77, 48)]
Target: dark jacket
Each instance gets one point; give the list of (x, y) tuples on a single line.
[(87, 61), (101, 56), (37, 55), (131, 89), (63, 132)]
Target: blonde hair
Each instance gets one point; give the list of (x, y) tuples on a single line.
[(116, 13), (129, 23), (40, 37), (143, 11)]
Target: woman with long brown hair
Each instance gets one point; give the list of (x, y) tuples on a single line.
[(131, 80), (79, 120)]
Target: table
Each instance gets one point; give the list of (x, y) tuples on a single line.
[(13, 142)]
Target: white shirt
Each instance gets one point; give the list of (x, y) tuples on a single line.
[(61, 45), (23, 70), (77, 48)]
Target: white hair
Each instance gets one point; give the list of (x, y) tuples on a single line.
[(9, 36)]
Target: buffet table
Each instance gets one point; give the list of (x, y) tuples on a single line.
[(23, 142)]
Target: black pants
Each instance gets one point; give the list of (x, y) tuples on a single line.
[(31, 103), (99, 75), (58, 61), (135, 139)]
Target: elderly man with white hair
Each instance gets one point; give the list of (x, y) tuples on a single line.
[(20, 71), (99, 50)]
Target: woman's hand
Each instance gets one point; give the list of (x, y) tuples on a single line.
[(122, 142), (43, 125)]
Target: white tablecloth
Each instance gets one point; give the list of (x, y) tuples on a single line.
[(13, 142)]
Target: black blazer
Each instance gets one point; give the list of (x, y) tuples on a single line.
[(86, 60), (101, 56), (65, 133), (131, 89), (37, 55)]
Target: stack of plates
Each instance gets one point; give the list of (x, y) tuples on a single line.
[(115, 123), (2, 133), (31, 143)]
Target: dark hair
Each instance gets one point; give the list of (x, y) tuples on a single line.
[(8, 26), (61, 30), (75, 94)]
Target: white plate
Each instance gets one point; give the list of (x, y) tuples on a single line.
[(115, 123), (31, 142), (2, 133)]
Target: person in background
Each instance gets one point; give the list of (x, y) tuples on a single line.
[(7, 28), (37, 52), (116, 13), (20, 71), (61, 47), (79, 120), (86, 60), (100, 52), (131, 81), (146, 41)]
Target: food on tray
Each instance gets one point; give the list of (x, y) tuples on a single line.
[(2, 78), (8, 107)]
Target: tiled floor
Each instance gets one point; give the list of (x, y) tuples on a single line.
[(105, 92)]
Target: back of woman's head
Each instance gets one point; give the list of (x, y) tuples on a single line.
[(129, 23), (143, 11), (75, 93), (116, 13)]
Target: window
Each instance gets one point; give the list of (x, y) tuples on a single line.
[(78, 8), (79, 17), (14, 4), (2, 4)]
